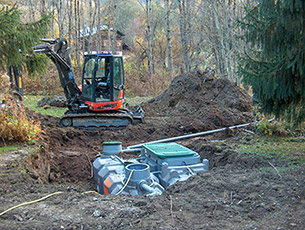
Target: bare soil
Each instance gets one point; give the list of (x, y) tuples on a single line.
[(241, 191)]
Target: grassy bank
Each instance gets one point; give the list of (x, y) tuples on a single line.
[(291, 149), (31, 102)]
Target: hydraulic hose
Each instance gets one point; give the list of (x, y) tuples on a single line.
[(125, 183)]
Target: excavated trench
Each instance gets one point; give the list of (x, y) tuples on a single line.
[(193, 103), (69, 155), (240, 191)]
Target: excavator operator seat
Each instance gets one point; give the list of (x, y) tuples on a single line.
[(102, 79)]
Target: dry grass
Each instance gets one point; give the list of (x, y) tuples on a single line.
[(15, 125)]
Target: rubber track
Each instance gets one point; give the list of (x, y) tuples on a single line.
[(119, 115)]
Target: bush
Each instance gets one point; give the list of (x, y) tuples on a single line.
[(4, 85), (137, 78), (14, 124), (277, 128)]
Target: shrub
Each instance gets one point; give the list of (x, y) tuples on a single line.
[(137, 78), (277, 128), (14, 124), (4, 85)]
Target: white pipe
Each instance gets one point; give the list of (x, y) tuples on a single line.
[(194, 134), (131, 150), (147, 188)]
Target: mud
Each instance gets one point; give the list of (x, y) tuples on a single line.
[(241, 191)]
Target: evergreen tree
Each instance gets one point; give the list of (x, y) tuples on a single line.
[(274, 63), (17, 39)]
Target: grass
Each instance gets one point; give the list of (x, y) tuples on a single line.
[(292, 149), (31, 102), (8, 148)]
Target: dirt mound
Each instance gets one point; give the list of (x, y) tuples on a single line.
[(57, 101), (197, 103)]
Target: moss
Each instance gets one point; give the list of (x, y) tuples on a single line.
[(8, 148)]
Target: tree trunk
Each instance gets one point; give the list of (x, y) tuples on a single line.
[(227, 32), (183, 32), (113, 22), (168, 38), (89, 47), (99, 36), (220, 36), (77, 33), (149, 40), (70, 14)]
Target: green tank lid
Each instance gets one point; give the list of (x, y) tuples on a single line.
[(165, 150), (112, 143)]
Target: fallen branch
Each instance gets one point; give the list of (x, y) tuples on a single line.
[(275, 169)]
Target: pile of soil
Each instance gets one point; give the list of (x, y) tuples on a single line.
[(57, 101), (195, 102)]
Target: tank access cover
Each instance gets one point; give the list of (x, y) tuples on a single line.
[(165, 150)]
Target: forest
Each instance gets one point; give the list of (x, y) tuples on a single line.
[(162, 38)]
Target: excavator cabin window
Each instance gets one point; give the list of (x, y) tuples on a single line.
[(87, 84), (118, 77), (103, 79)]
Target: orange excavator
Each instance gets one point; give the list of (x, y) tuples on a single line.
[(98, 102)]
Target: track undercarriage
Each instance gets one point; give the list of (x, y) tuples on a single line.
[(118, 119)]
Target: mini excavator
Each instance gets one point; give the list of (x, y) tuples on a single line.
[(98, 102)]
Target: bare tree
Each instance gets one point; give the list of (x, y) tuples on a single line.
[(98, 8), (184, 29), (168, 39), (77, 30), (149, 37), (61, 15)]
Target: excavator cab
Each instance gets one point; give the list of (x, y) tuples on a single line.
[(103, 82)]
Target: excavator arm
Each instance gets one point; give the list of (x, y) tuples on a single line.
[(58, 51)]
